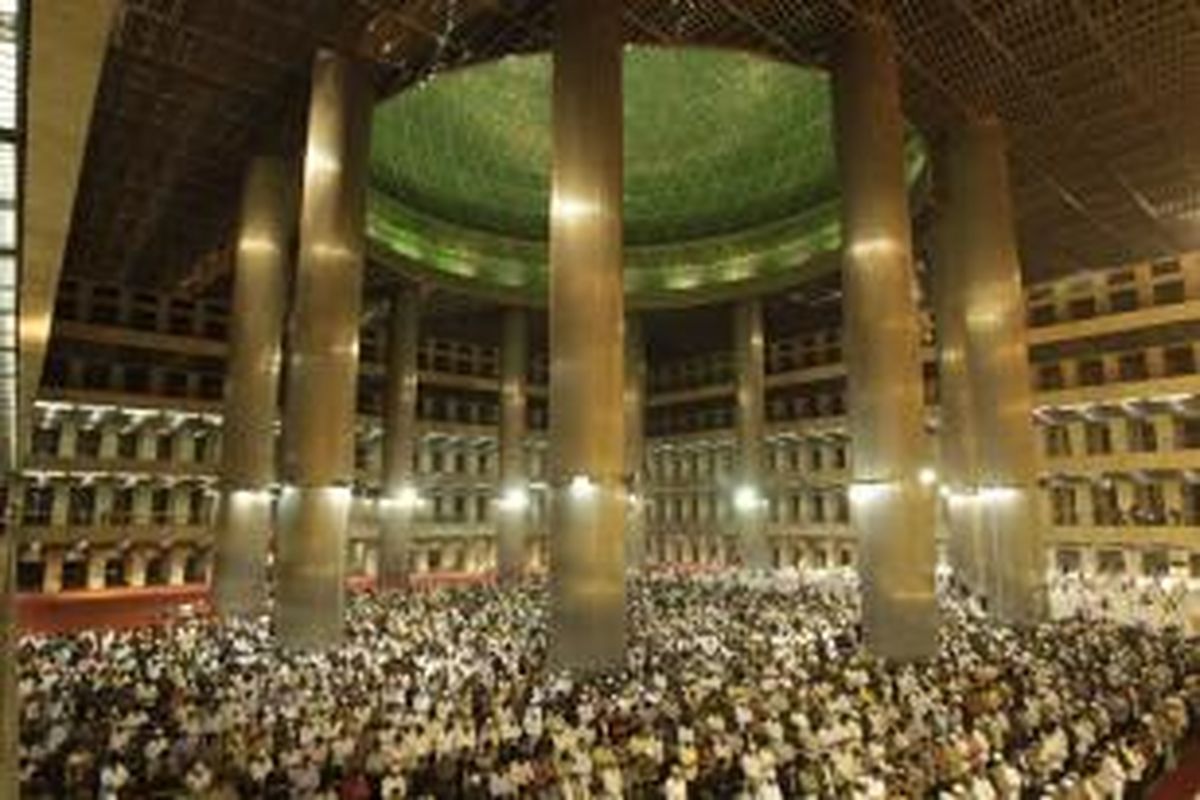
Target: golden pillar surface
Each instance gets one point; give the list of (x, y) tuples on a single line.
[(635, 442), (252, 388), (957, 445), (512, 506), (979, 223), (319, 412), (749, 499), (398, 503), (587, 439), (890, 510)]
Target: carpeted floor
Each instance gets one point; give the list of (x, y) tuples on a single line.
[(1184, 782)]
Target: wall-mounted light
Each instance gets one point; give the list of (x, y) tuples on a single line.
[(514, 499), (927, 476), (746, 498), (995, 494), (406, 498), (250, 495), (581, 487), (866, 491)]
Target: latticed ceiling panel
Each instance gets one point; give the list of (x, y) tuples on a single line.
[(187, 90), (1115, 75), (1100, 98)]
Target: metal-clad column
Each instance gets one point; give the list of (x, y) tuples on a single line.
[(268, 219), (587, 438), (890, 512), (980, 221), (635, 441), (749, 498), (512, 507), (957, 445), (399, 498), (323, 362)]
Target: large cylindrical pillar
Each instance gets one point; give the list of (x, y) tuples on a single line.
[(635, 441), (957, 454), (318, 430), (587, 441), (512, 506), (398, 504), (889, 510), (252, 387), (979, 221), (749, 499)]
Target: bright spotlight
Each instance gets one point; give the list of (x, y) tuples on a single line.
[(407, 497), (927, 476), (867, 491), (997, 494), (514, 499), (745, 498), (581, 487)]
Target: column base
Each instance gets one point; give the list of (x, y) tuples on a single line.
[(311, 566), (394, 565), (896, 566), (753, 548), (635, 539), (899, 627), (1025, 608), (239, 586), (587, 581), (1013, 558), (512, 553)]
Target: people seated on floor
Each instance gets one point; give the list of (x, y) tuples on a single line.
[(731, 690)]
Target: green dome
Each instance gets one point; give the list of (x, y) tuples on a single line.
[(729, 171)]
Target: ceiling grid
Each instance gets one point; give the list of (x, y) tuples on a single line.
[(1100, 99)]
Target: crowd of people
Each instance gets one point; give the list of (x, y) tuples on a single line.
[(1152, 602), (730, 690)]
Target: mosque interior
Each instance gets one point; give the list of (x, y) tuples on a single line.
[(674, 339)]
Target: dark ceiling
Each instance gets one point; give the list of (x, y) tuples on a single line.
[(1100, 98)]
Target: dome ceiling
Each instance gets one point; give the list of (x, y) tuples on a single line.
[(730, 175)]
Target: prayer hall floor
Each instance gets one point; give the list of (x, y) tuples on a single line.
[(729, 689)]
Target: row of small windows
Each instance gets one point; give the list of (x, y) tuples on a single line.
[(446, 461), (1177, 360), (464, 408), (1166, 287), (133, 378), (109, 305), (829, 507), (82, 507), (1154, 563), (1144, 503), (47, 441), (31, 574), (716, 368), (1142, 435), (709, 463)]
